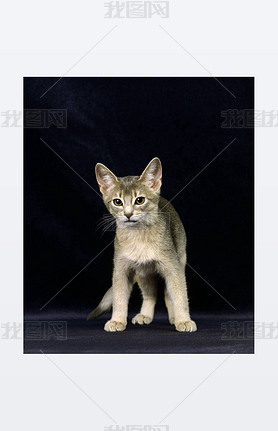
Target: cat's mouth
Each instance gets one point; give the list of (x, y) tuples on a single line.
[(130, 221)]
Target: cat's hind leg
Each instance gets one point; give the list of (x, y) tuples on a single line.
[(148, 287)]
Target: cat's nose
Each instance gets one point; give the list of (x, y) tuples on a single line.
[(128, 211)]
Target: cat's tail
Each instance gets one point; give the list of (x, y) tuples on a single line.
[(104, 305)]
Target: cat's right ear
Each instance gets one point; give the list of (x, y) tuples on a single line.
[(105, 178)]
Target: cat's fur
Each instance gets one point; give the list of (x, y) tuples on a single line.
[(150, 239)]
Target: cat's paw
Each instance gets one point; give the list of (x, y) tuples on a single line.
[(141, 319), (172, 320), (114, 326), (187, 326)]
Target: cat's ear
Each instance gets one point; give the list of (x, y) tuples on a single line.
[(152, 175), (105, 178)]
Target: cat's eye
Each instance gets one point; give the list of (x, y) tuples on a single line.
[(140, 200), (117, 202)]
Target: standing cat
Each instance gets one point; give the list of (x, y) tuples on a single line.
[(150, 239)]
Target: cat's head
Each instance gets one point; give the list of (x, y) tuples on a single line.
[(132, 200)]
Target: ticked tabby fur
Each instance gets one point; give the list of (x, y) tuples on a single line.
[(149, 239)]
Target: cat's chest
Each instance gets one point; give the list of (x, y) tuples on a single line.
[(140, 248), (140, 253)]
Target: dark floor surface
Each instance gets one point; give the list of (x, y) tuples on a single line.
[(216, 334)]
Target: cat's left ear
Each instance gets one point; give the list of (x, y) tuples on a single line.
[(152, 175)]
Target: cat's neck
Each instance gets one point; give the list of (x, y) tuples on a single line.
[(144, 231)]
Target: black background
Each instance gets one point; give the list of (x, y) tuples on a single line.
[(124, 123)]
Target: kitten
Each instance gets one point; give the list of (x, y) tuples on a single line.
[(150, 239)]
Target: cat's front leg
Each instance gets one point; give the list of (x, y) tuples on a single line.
[(177, 290), (121, 292)]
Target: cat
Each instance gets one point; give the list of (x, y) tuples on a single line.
[(150, 239)]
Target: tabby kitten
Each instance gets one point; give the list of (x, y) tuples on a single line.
[(150, 239)]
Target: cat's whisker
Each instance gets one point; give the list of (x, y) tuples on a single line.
[(105, 219), (108, 226), (103, 223)]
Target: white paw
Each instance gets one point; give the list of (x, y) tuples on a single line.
[(172, 320), (187, 326), (141, 319), (113, 326)]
